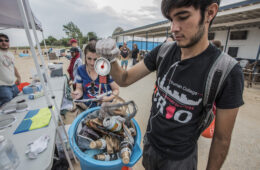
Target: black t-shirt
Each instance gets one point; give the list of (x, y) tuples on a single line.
[(177, 101), (124, 52), (135, 52)]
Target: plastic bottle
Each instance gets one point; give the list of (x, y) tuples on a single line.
[(106, 157), (9, 159), (36, 95), (125, 151), (98, 144)]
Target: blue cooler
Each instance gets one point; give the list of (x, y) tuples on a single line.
[(89, 163), (32, 88)]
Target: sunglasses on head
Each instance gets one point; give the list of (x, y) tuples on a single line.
[(6, 40)]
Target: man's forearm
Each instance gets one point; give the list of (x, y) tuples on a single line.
[(118, 74), (125, 78), (218, 152), (16, 73)]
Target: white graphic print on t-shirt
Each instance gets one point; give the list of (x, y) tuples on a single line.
[(175, 101)]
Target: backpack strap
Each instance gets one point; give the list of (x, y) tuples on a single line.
[(216, 77), (163, 51)]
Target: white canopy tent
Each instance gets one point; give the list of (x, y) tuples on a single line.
[(10, 16), (18, 14)]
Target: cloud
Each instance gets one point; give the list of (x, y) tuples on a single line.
[(90, 15), (87, 16)]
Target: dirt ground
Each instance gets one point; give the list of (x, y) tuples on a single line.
[(244, 152)]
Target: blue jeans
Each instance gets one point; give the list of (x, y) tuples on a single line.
[(7, 93)]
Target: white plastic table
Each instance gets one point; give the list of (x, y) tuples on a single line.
[(20, 141)]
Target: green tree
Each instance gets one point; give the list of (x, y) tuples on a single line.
[(49, 41), (56, 43), (65, 42), (72, 31), (91, 35), (85, 39)]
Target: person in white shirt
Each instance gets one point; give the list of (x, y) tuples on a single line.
[(9, 76)]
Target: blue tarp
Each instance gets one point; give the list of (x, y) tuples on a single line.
[(141, 45), (23, 55)]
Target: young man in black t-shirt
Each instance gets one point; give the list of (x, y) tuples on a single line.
[(171, 137)]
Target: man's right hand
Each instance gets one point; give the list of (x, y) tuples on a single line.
[(18, 81), (107, 48), (76, 95)]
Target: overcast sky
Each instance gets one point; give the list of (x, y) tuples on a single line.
[(100, 16)]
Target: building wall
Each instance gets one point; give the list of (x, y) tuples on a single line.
[(247, 49)]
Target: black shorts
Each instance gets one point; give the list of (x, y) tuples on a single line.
[(154, 161)]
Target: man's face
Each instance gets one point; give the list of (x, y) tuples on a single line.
[(4, 43), (74, 44), (186, 26)]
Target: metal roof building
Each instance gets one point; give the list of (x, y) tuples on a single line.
[(237, 26)]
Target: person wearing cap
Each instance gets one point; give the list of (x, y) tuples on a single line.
[(9, 76), (74, 43), (75, 62)]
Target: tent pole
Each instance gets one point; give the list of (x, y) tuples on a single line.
[(26, 27), (225, 48), (48, 57), (146, 41), (46, 72)]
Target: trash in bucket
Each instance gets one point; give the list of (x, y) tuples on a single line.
[(105, 141)]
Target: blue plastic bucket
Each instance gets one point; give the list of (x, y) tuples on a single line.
[(89, 163)]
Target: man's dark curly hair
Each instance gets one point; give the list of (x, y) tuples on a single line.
[(167, 5)]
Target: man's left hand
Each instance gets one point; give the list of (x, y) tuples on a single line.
[(18, 81)]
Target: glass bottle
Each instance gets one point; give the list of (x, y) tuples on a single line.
[(125, 151), (98, 144)]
